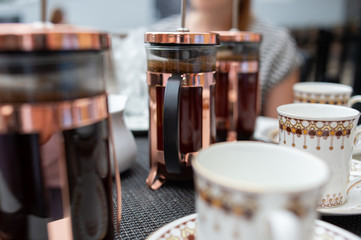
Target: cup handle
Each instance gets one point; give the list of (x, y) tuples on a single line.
[(356, 137), (353, 100), (353, 183), (283, 225), (356, 150), (171, 123)]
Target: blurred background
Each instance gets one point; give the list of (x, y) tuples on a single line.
[(327, 31)]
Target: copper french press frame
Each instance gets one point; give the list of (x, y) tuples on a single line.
[(236, 63), (188, 80), (170, 163)]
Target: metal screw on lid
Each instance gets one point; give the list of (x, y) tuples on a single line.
[(182, 35), (183, 17), (235, 16), (234, 34), (43, 10)]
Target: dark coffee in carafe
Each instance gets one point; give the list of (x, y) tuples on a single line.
[(237, 89), (181, 82), (55, 174)]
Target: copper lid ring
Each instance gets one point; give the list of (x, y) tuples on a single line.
[(49, 37), (239, 36), (182, 38)]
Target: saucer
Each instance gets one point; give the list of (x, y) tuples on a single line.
[(355, 167), (352, 206), (185, 228), (266, 130), (137, 123)]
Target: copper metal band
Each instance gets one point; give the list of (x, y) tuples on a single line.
[(204, 80), (239, 36), (205, 38), (206, 117), (53, 116), (51, 37), (233, 98), (242, 66), (189, 79)]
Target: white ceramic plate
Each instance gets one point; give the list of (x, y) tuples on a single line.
[(116, 102), (352, 206), (266, 130), (137, 123), (185, 228), (355, 167)]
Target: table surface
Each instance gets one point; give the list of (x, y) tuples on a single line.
[(145, 210)]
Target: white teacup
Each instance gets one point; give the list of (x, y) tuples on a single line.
[(254, 190), (324, 93), (327, 131)]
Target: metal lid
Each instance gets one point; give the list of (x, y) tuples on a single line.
[(239, 36), (182, 38), (49, 37)]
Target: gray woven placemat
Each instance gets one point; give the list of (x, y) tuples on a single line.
[(350, 223), (144, 210)]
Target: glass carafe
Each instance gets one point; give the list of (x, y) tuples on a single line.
[(237, 90), (55, 176), (180, 75)]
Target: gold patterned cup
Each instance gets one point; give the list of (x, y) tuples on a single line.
[(327, 131), (324, 93), (253, 190)]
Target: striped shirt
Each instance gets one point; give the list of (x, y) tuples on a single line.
[(278, 54)]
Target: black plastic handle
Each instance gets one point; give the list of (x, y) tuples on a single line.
[(171, 124)]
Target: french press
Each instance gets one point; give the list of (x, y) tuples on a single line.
[(180, 75), (55, 176), (237, 90)]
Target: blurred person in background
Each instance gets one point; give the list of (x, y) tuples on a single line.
[(279, 58), (57, 16)]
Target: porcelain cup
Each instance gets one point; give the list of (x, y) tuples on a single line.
[(324, 93), (253, 190), (327, 131)]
